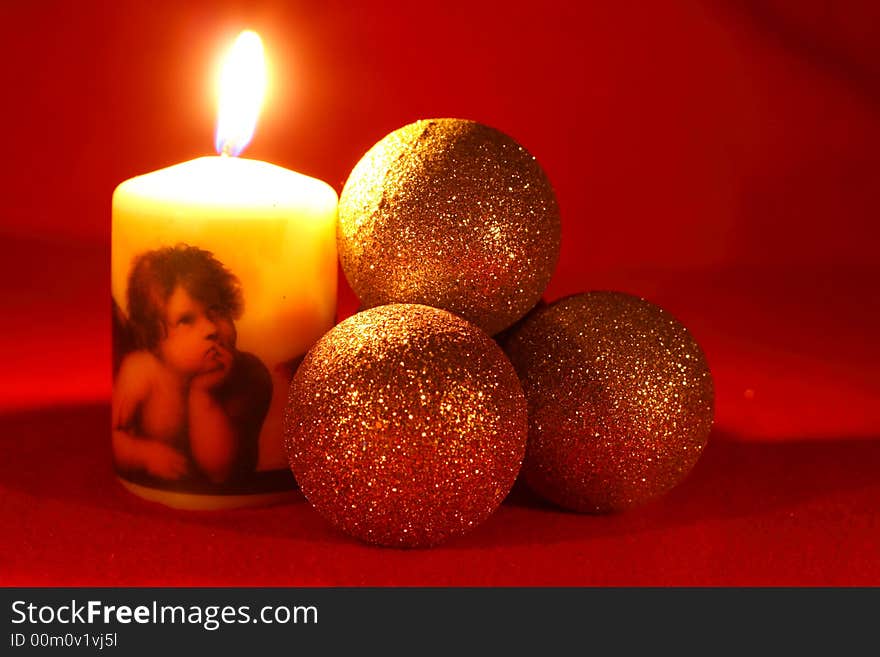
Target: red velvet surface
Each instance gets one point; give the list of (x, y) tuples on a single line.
[(799, 512), (718, 158)]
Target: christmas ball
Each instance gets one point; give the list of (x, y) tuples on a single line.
[(620, 399), (405, 425), (452, 214)]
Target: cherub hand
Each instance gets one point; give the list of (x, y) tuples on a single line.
[(163, 461), (220, 362)]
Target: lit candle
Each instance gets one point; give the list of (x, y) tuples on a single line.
[(223, 275)]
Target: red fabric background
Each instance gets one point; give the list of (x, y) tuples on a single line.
[(718, 158)]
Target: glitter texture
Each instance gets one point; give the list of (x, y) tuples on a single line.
[(620, 399), (452, 214), (405, 425)]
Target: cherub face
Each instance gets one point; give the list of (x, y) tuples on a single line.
[(194, 334)]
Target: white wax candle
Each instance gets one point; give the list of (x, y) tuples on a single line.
[(223, 274), (272, 229)]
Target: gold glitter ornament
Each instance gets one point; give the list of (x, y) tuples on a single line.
[(405, 425), (620, 398), (452, 214)]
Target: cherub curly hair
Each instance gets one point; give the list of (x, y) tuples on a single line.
[(154, 276)]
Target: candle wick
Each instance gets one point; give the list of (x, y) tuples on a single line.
[(227, 149)]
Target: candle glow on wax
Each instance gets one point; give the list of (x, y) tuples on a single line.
[(242, 87)]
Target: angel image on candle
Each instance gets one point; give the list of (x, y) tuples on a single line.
[(188, 406)]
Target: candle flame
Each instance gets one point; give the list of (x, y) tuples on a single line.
[(242, 87)]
